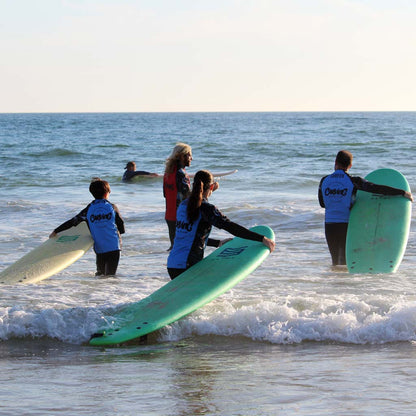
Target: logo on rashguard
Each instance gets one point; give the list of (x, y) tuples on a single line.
[(342, 192), (337, 191), (100, 217), (182, 225)]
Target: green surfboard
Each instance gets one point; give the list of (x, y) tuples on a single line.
[(200, 284), (379, 226)]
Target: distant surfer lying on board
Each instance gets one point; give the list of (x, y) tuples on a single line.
[(105, 224), (336, 194), (131, 172), (194, 221)]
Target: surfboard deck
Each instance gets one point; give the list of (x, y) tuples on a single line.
[(50, 257), (379, 226), (205, 281)]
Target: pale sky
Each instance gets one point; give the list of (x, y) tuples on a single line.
[(207, 55)]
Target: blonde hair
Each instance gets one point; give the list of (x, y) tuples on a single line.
[(181, 149)]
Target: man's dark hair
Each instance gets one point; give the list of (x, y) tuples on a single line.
[(344, 159)]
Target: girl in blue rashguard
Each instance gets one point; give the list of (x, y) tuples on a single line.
[(194, 220)]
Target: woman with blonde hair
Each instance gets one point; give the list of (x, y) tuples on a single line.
[(176, 184), (195, 218)]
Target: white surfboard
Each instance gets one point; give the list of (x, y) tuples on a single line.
[(217, 174), (147, 178), (221, 174), (51, 257)]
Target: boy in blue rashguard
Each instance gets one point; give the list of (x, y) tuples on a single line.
[(105, 224), (336, 194)]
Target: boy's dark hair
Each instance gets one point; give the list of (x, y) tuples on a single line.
[(99, 188), (344, 159)]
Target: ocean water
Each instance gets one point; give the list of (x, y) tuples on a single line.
[(294, 338)]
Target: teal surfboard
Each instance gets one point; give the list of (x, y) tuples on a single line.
[(200, 284), (379, 226)]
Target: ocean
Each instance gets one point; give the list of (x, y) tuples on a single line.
[(293, 338)]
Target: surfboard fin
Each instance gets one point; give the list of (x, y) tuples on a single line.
[(97, 335)]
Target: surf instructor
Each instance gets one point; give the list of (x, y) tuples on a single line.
[(176, 184), (336, 194), (195, 218)]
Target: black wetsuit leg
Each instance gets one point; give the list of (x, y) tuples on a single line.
[(174, 272), (172, 231), (336, 236), (107, 263)]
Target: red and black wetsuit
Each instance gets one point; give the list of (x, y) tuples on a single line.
[(176, 188)]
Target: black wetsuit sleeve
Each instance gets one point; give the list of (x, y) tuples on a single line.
[(242, 232), (213, 216), (182, 184), (320, 196), (119, 220), (366, 186), (74, 221), (212, 242)]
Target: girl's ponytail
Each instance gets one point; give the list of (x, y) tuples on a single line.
[(202, 181)]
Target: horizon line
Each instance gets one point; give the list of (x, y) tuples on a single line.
[(211, 111)]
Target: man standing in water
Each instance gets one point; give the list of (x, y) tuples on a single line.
[(176, 184), (336, 194)]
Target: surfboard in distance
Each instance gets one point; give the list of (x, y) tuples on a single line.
[(221, 174), (379, 226), (143, 178), (50, 257), (205, 281), (217, 174)]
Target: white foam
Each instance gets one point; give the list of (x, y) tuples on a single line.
[(355, 322)]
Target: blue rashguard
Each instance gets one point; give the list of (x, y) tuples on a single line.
[(105, 224), (101, 219), (337, 193), (192, 237)]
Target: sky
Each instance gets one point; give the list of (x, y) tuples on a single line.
[(207, 55)]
